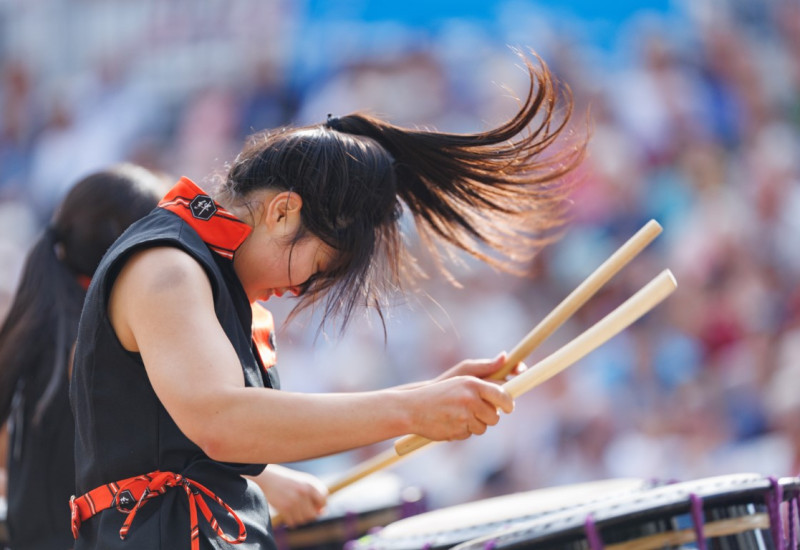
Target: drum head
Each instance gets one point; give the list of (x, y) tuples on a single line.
[(734, 513), (447, 527)]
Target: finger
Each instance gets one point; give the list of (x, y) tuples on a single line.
[(304, 514), (518, 369), (310, 514), (497, 396), (477, 427), (319, 500), (487, 415), (495, 364), (486, 367), (463, 433)]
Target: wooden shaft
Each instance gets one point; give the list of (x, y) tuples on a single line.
[(579, 296), (612, 324), (362, 470)]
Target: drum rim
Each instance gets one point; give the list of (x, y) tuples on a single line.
[(444, 536), (675, 500)]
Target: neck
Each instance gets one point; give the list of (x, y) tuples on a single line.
[(245, 210)]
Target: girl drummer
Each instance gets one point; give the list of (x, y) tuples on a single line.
[(36, 340), (175, 397)]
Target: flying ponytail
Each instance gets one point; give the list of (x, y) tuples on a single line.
[(499, 195), (491, 188)]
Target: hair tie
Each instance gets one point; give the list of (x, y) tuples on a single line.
[(334, 123)]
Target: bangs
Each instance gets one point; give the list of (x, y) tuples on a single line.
[(369, 266)]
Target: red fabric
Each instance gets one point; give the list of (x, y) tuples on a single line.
[(263, 328), (84, 281), (143, 488), (223, 231)]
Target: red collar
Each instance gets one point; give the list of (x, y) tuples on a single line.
[(220, 230)]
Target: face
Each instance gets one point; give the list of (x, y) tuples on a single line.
[(290, 267), (268, 264)]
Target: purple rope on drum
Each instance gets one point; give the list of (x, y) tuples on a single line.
[(773, 502), (791, 517), (351, 525), (592, 535), (697, 520), (412, 506)]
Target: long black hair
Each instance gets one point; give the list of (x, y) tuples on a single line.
[(499, 195), (41, 325)]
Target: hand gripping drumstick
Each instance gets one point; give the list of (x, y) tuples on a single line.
[(611, 325), (545, 328), (540, 332), (615, 322)]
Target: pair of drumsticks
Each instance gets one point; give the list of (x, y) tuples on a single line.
[(612, 324)]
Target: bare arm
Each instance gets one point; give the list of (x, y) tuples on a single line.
[(161, 305)]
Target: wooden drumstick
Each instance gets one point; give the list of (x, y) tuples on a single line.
[(612, 324), (579, 296), (540, 332), (647, 298)]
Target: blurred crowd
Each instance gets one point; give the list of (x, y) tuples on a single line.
[(695, 122)]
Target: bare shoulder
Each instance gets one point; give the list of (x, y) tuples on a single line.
[(161, 269), (155, 282)]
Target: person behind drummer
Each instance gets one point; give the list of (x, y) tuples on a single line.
[(173, 401), (36, 339)]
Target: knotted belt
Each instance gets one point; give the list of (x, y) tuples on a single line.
[(129, 495)]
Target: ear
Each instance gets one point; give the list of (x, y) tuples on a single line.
[(282, 213)]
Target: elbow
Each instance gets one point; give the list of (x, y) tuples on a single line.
[(212, 437), (214, 446)]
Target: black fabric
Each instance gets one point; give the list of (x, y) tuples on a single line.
[(41, 470), (122, 430)]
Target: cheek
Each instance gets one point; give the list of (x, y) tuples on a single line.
[(298, 274), (268, 269), (304, 261), (277, 271)]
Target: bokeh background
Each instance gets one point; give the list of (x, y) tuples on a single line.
[(694, 108)]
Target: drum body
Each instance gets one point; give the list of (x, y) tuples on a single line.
[(371, 503), (741, 511), (448, 527)]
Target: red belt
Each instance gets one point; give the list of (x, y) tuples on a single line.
[(130, 494)]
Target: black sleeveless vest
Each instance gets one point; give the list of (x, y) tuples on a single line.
[(41, 471), (122, 430)]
